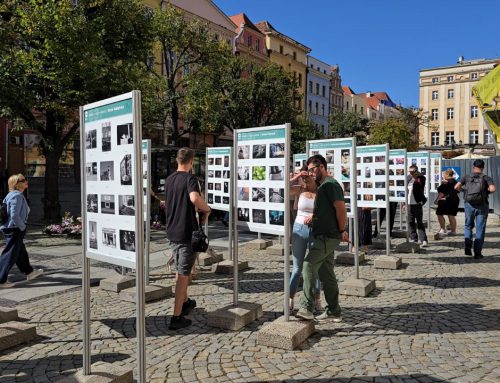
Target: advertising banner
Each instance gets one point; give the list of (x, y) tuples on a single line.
[(299, 160), (436, 175), (372, 175), (339, 154), (397, 175), (422, 161), (218, 182), (262, 186)]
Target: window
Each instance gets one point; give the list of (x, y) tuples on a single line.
[(374, 115), (362, 110), (257, 45), (434, 94), (435, 80), (356, 108), (434, 138), (281, 49), (300, 80), (488, 137), (451, 93), (434, 114), (474, 137), (450, 138), (310, 106), (295, 55), (347, 105), (322, 109), (324, 91), (310, 86), (249, 41), (449, 78), (317, 88), (449, 114), (473, 111), (317, 108), (473, 76)]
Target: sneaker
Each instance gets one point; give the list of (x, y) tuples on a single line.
[(326, 316), (468, 251), (451, 233), (176, 323), (304, 314), (187, 306), (34, 274), (478, 256), (442, 233), (424, 244), (6, 285)]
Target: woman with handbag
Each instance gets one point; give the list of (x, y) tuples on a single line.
[(447, 203)]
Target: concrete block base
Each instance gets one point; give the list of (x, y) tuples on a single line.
[(235, 317), (276, 250), (388, 262), (152, 293), (101, 372), (117, 283), (398, 233), (207, 259), (357, 287), (347, 258), (8, 314), (258, 244), (15, 333), (226, 267), (408, 248), (378, 244), (285, 335)]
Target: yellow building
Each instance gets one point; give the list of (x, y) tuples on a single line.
[(287, 53), (454, 116)]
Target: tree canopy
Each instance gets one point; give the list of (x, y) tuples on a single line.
[(348, 124), (395, 132)]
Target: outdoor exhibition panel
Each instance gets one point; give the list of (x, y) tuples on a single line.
[(397, 175), (339, 154), (218, 178), (146, 183), (422, 160), (436, 175), (262, 166), (299, 160), (373, 176)]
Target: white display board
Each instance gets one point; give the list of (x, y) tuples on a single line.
[(372, 165), (422, 161), (339, 154), (299, 160), (110, 180), (218, 178), (397, 175), (436, 175), (262, 187)]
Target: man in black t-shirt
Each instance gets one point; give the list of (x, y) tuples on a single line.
[(183, 199)]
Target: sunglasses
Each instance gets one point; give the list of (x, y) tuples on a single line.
[(23, 180), (312, 170)]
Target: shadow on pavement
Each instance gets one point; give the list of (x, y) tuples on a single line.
[(454, 282), (463, 259), (364, 379)]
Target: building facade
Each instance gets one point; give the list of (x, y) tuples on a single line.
[(249, 42), (318, 93), (336, 92), (454, 116)]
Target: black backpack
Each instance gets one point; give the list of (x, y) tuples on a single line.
[(199, 242), (476, 189), (4, 213)]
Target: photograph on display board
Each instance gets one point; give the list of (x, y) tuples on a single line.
[(331, 171), (258, 173), (126, 205), (276, 173), (368, 172), (210, 174), (379, 158), (126, 170), (210, 186), (345, 156), (258, 216), (225, 200), (414, 161), (217, 199), (400, 172), (259, 151), (127, 240), (347, 188), (92, 206), (107, 171), (276, 195), (91, 171), (277, 217), (391, 193), (93, 235), (243, 173), (346, 172), (367, 185), (244, 194), (210, 198), (218, 187), (380, 197), (106, 137), (218, 174), (124, 134), (400, 161), (109, 237), (391, 172), (330, 156), (277, 150), (218, 161), (226, 187), (226, 161), (210, 161), (243, 214), (391, 161), (91, 139), (400, 194), (107, 204), (259, 194), (244, 152), (367, 160), (380, 172), (400, 183), (226, 174), (423, 171)]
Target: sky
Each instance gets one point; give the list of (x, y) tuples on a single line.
[(382, 45)]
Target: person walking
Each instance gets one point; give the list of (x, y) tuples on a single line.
[(14, 230), (183, 198), (392, 210), (328, 228), (416, 201), (476, 187), (305, 194), (447, 203)]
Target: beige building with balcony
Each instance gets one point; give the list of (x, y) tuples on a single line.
[(454, 115)]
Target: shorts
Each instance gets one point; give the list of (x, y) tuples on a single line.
[(184, 257)]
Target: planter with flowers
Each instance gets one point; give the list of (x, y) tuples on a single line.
[(69, 226)]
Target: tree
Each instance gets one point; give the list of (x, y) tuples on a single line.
[(394, 132), (348, 124), (59, 56), (416, 118), (302, 131)]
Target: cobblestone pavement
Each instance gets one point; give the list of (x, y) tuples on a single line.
[(437, 319)]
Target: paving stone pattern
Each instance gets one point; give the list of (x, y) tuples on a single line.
[(436, 319)]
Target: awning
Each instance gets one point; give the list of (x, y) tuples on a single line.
[(487, 93)]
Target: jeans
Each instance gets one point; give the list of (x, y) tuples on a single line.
[(319, 262), (475, 216), (416, 213), (14, 253), (392, 210), (301, 241)]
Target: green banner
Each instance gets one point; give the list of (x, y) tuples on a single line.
[(218, 151), (435, 155), (371, 149), (333, 144), (115, 109), (270, 134), (418, 155), (397, 152), (300, 157)]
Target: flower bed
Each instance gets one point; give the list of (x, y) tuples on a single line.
[(70, 226)]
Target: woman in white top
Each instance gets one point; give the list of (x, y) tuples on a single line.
[(304, 190)]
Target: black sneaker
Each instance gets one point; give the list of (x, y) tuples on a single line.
[(478, 256), (468, 251), (179, 322), (188, 306)]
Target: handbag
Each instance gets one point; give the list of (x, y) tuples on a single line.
[(199, 241)]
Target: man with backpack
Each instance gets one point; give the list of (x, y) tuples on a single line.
[(476, 187)]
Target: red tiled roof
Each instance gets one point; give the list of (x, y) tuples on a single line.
[(241, 18), (375, 98), (347, 90)]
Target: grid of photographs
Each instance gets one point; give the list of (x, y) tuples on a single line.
[(373, 176), (218, 179), (436, 176), (261, 179), (397, 175), (422, 161), (299, 160)]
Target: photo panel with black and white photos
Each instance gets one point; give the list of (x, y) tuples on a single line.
[(244, 193), (400, 183), (218, 187), (91, 171), (210, 174), (226, 174), (258, 216), (126, 205), (259, 151), (225, 200), (210, 198), (226, 161), (379, 158), (106, 138), (277, 150), (217, 199), (330, 156), (368, 172), (276, 217), (124, 134), (391, 161), (127, 240), (210, 186), (259, 194), (380, 185), (391, 172), (92, 203), (276, 173), (218, 161), (126, 170), (243, 152), (210, 161), (258, 173), (276, 195), (93, 235), (218, 174), (392, 193), (107, 204), (423, 171), (243, 214), (91, 139), (107, 170), (243, 173), (109, 237), (226, 187)]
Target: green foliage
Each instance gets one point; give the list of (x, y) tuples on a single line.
[(302, 131), (348, 124), (394, 132)]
